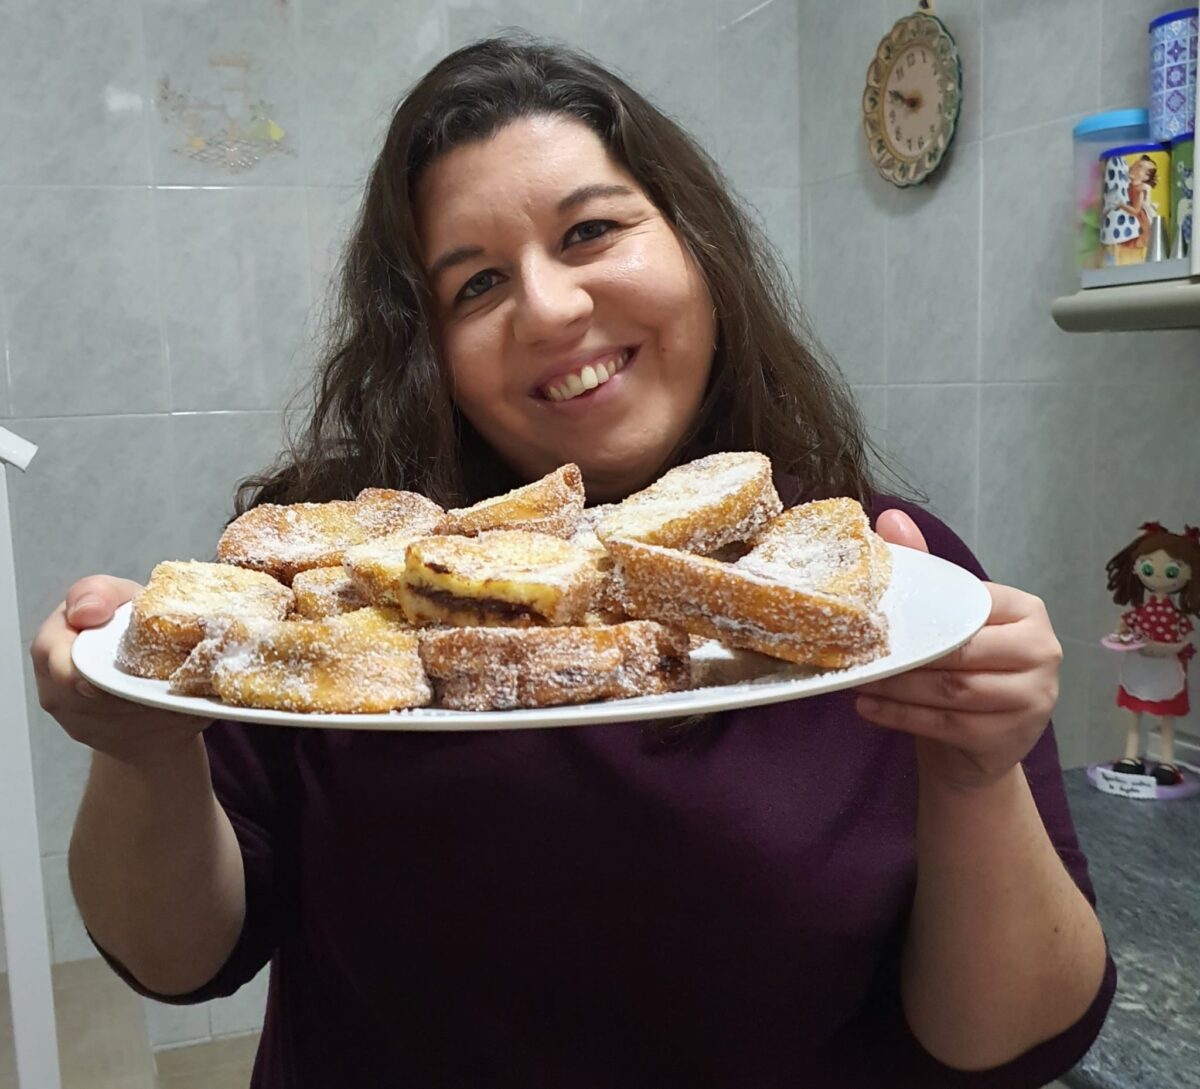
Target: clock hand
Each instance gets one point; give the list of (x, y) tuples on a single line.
[(910, 102)]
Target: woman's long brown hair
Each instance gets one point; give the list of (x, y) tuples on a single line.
[(382, 413)]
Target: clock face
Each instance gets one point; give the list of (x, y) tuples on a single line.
[(912, 99)]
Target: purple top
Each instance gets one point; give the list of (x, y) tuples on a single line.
[(564, 908)]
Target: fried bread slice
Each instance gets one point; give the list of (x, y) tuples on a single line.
[(700, 507), (828, 546), (285, 540), (326, 591), (166, 619), (505, 578), (793, 597), (501, 669), (551, 505), (357, 663)]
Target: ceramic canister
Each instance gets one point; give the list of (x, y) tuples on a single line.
[(1173, 74), (1091, 136), (1182, 187), (1137, 187)]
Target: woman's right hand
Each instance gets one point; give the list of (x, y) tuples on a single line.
[(129, 732)]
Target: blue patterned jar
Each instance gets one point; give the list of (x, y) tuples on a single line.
[(1172, 98)]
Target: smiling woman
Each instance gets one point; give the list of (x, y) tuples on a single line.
[(547, 268)]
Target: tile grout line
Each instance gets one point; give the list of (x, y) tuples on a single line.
[(145, 67), (979, 300), (747, 14)]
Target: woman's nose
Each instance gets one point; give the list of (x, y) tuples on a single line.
[(551, 299)]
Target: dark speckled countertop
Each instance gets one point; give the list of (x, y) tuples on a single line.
[(1144, 859)]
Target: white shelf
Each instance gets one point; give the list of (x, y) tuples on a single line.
[(1164, 304), (1146, 272)]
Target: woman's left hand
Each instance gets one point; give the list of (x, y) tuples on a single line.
[(978, 711)]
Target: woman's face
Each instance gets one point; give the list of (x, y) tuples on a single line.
[(1142, 172), (574, 324)]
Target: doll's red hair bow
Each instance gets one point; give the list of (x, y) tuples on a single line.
[(1192, 533), (1153, 527)]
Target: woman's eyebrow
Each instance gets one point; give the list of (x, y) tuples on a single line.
[(576, 197), (590, 192), (453, 257)]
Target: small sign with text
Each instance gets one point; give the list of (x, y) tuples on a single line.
[(1126, 786)]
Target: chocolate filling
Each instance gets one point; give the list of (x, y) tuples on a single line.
[(507, 610)]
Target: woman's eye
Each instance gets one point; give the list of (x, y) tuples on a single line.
[(1147, 569), (477, 285), (1172, 572), (589, 231)]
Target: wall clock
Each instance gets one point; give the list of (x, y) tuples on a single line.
[(912, 98)]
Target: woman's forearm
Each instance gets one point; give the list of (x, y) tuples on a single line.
[(156, 870), (1003, 951)]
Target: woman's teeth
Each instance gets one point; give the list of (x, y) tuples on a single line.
[(586, 378)]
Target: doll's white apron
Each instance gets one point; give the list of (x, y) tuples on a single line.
[(1152, 679)]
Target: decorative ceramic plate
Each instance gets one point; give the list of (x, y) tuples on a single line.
[(932, 607)]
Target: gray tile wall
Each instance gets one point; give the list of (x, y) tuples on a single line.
[(157, 311), (1044, 450)]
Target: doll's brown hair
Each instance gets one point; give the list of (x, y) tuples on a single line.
[(1184, 547)]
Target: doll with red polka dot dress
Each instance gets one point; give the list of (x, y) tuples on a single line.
[(1158, 575)]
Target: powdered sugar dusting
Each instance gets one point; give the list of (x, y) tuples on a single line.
[(699, 507)]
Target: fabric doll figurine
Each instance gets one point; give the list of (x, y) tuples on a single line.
[(1148, 573)]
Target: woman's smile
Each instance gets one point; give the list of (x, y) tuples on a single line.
[(584, 381)]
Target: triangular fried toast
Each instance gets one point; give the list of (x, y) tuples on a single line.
[(807, 593), (699, 507), (551, 505), (284, 540), (826, 546)]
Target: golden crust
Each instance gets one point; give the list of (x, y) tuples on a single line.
[(167, 616), (285, 540), (357, 663), (506, 578), (701, 507), (827, 546), (773, 601), (551, 505), (500, 669), (326, 591)]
